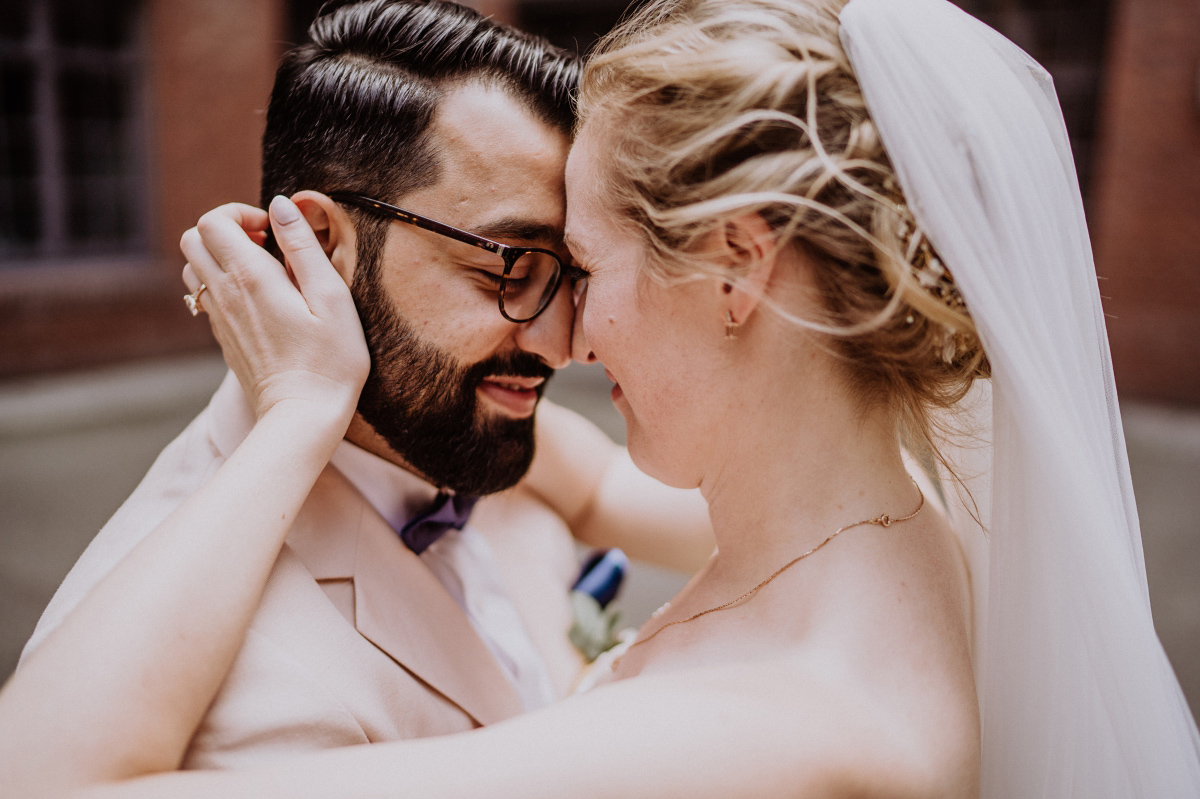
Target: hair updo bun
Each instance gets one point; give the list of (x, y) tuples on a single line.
[(715, 108)]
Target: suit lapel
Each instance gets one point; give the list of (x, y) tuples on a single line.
[(399, 605)]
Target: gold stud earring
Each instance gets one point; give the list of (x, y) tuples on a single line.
[(731, 327)]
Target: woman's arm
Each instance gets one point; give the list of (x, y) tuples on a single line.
[(754, 730), (122, 662), (608, 502), (143, 655)]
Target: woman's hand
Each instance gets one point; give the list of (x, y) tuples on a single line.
[(144, 653), (296, 341)]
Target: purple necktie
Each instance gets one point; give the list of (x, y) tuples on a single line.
[(446, 511)]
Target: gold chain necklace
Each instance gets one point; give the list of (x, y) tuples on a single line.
[(881, 521)]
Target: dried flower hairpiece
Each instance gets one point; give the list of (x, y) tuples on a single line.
[(931, 274)]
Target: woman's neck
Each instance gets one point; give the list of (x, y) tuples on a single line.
[(780, 488)]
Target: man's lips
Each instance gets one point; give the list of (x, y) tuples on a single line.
[(516, 395), (516, 383)]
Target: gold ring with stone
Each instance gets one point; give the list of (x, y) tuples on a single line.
[(192, 301)]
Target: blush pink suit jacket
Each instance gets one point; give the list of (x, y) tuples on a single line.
[(355, 640)]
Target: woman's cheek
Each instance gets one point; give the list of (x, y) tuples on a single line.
[(600, 323)]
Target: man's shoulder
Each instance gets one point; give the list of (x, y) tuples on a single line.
[(181, 467)]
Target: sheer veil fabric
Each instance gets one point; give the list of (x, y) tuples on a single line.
[(1076, 694)]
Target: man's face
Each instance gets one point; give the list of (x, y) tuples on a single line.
[(454, 385)]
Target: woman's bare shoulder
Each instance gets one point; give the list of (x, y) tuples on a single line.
[(897, 650), (801, 726), (869, 660), (869, 743)]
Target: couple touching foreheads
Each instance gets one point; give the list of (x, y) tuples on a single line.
[(833, 256)]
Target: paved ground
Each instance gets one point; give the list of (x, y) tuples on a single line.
[(73, 447)]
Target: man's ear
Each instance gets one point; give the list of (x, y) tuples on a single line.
[(748, 246), (333, 229)]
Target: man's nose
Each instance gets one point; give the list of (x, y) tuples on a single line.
[(549, 335)]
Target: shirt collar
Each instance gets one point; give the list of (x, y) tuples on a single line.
[(395, 493)]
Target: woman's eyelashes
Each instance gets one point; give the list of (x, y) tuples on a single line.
[(578, 280)]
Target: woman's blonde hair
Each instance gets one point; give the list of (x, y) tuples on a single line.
[(716, 108)]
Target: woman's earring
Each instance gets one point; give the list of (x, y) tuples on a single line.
[(731, 327)]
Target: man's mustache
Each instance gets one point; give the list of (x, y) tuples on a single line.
[(516, 364)]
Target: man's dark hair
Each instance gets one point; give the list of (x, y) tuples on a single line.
[(351, 109)]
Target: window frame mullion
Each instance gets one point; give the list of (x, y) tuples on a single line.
[(51, 174)]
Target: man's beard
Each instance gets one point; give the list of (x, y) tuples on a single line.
[(423, 402)]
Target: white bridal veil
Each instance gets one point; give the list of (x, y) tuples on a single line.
[(1076, 694)]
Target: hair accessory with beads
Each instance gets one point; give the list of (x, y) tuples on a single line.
[(929, 271)]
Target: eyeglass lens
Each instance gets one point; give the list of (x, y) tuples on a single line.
[(530, 286)]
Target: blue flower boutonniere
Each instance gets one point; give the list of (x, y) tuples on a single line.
[(595, 624)]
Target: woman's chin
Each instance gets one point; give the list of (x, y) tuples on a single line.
[(655, 464)]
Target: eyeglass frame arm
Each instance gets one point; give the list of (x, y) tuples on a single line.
[(507, 252), (503, 250)]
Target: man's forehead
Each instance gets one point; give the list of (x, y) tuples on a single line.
[(486, 130), (501, 167)]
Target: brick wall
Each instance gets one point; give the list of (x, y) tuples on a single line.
[(1146, 203), (209, 68), (211, 64)]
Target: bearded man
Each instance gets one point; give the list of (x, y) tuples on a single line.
[(425, 146)]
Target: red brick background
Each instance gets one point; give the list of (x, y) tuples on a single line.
[(211, 65), (1146, 200)]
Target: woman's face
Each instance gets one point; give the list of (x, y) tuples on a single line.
[(656, 341)]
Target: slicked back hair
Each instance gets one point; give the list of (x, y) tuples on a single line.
[(351, 109)]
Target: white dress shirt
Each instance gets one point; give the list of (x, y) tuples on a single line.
[(462, 561)]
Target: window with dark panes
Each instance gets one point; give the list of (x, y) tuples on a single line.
[(72, 124)]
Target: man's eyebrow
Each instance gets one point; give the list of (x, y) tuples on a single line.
[(528, 230)]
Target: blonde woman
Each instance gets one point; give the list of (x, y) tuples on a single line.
[(811, 230)]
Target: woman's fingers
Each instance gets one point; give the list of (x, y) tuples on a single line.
[(226, 241), (283, 343), (232, 250), (252, 221), (195, 287), (203, 266), (190, 279), (305, 256)]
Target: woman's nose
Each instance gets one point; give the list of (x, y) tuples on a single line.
[(580, 351)]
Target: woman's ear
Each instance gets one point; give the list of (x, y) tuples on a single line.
[(747, 244), (333, 229)]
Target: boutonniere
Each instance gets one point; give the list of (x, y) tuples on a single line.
[(594, 629)]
